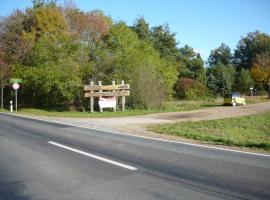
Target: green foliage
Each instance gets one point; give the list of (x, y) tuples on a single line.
[(141, 27), (248, 47), (50, 87), (192, 65), (221, 55), (164, 41), (221, 79), (245, 81), (191, 89), (147, 88)]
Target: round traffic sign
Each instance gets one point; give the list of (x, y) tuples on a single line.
[(15, 86)]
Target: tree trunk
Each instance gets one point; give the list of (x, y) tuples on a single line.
[(2, 90), (269, 87), (269, 91)]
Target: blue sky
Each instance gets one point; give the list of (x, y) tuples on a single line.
[(202, 24)]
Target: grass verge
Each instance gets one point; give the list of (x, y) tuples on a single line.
[(248, 131), (169, 106)]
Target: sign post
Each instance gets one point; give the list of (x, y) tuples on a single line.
[(107, 94), (16, 86), (251, 92), (11, 106)]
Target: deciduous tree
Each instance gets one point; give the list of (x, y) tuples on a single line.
[(261, 69)]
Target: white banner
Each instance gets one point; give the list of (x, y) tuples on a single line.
[(109, 102)]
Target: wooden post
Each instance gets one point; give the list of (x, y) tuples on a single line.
[(100, 83), (114, 109), (123, 97), (91, 99)]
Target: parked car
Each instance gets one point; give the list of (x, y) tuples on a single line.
[(234, 99)]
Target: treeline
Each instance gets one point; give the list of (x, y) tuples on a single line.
[(57, 49)]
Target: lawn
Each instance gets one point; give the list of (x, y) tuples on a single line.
[(169, 106), (248, 131)]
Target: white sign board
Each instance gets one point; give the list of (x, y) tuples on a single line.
[(109, 102), (15, 86)]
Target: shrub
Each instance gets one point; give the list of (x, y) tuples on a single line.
[(191, 89), (147, 88)]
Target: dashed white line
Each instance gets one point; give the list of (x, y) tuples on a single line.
[(94, 156)]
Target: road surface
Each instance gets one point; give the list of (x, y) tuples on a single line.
[(41, 160)]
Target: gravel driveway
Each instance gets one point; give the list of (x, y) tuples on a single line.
[(137, 124)]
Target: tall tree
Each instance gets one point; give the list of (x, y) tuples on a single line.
[(248, 47), (5, 73), (192, 65), (245, 81), (164, 41), (261, 69), (221, 55), (141, 27), (222, 76)]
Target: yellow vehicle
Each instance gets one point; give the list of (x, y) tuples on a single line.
[(234, 99)]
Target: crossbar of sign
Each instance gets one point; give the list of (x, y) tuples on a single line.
[(106, 87), (108, 94)]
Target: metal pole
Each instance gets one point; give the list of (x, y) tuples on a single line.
[(16, 99)]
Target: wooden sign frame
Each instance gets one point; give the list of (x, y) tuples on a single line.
[(100, 91)]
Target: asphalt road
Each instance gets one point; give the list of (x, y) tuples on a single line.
[(41, 160)]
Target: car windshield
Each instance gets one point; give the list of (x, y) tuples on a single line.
[(237, 94), (228, 95)]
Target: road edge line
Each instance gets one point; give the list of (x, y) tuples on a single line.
[(139, 136)]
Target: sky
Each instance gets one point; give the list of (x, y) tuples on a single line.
[(202, 24)]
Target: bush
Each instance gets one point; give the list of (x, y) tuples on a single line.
[(50, 87), (191, 89), (147, 88)]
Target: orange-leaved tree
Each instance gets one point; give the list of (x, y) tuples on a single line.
[(260, 71)]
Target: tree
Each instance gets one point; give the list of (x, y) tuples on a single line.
[(11, 41), (90, 26), (141, 27), (164, 41), (223, 77), (248, 47), (261, 69), (221, 55), (192, 65), (245, 81), (5, 72)]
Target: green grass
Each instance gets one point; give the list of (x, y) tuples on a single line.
[(51, 113), (169, 106), (249, 131)]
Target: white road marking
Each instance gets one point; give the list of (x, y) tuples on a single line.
[(94, 156), (139, 136)]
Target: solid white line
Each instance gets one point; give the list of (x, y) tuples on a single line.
[(94, 156), (145, 137)]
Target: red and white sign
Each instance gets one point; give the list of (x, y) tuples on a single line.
[(15, 86), (109, 102)]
